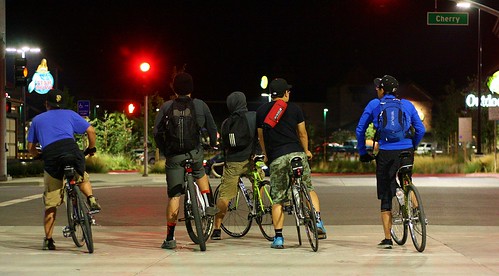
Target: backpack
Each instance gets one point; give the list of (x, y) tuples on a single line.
[(236, 133), (391, 121), (178, 130)]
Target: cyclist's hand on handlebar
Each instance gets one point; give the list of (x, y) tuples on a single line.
[(89, 151), (366, 157)]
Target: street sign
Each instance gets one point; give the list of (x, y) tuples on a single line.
[(84, 108), (447, 18)]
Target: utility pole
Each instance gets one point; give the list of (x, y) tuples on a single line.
[(3, 114)]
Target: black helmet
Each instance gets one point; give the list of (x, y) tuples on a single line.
[(388, 83)]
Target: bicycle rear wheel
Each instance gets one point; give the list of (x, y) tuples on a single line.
[(264, 211), (417, 218), (399, 226), (237, 220), (84, 217), (193, 213), (309, 217), (74, 226), (296, 214)]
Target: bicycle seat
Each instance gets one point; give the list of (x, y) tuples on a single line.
[(405, 154), (68, 160), (296, 162), (187, 161), (258, 158), (297, 166)]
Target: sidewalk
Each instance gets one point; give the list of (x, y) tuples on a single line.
[(349, 250)]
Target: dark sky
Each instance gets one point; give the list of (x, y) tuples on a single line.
[(229, 45)]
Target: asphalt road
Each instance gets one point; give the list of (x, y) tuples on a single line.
[(344, 201)]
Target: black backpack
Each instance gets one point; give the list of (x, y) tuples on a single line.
[(178, 131), (391, 121), (236, 134)]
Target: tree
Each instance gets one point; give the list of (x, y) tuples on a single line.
[(115, 133)]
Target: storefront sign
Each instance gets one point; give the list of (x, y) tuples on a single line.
[(485, 101), (42, 80)]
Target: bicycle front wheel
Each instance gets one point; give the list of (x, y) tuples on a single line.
[(85, 221), (309, 217), (264, 211), (193, 214), (399, 225), (75, 228), (417, 218), (237, 220)]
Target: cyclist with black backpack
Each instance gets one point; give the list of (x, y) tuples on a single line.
[(177, 134), (239, 142), (392, 118)]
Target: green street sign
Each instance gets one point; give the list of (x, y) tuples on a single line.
[(447, 18)]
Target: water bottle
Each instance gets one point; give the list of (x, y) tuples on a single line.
[(296, 195), (400, 195)]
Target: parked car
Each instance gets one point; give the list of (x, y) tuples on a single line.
[(138, 154), (424, 148)]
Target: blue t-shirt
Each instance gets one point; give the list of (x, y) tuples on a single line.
[(370, 115), (54, 125)]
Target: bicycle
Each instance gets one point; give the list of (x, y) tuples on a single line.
[(249, 204), (408, 213), (199, 225), (80, 217), (301, 205)]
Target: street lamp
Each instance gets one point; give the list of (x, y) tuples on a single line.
[(468, 4), (22, 51), (325, 132)]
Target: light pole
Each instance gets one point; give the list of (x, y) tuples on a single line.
[(479, 7), (325, 133), (22, 51), (145, 67)]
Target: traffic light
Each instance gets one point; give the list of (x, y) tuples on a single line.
[(21, 72), (132, 109)]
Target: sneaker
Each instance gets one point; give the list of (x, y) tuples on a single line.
[(217, 235), (321, 230), (278, 243), (386, 244), (94, 205), (211, 211), (171, 244), (48, 244)]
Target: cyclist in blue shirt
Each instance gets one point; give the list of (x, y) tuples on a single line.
[(54, 130), (387, 159)]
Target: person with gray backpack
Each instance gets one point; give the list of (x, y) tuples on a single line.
[(393, 119), (239, 141)]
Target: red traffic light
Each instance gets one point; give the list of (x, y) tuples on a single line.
[(145, 67)]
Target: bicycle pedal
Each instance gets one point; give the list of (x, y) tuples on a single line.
[(66, 232), (181, 219), (93, 212)]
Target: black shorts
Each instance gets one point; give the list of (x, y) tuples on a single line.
[(387, 164)]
